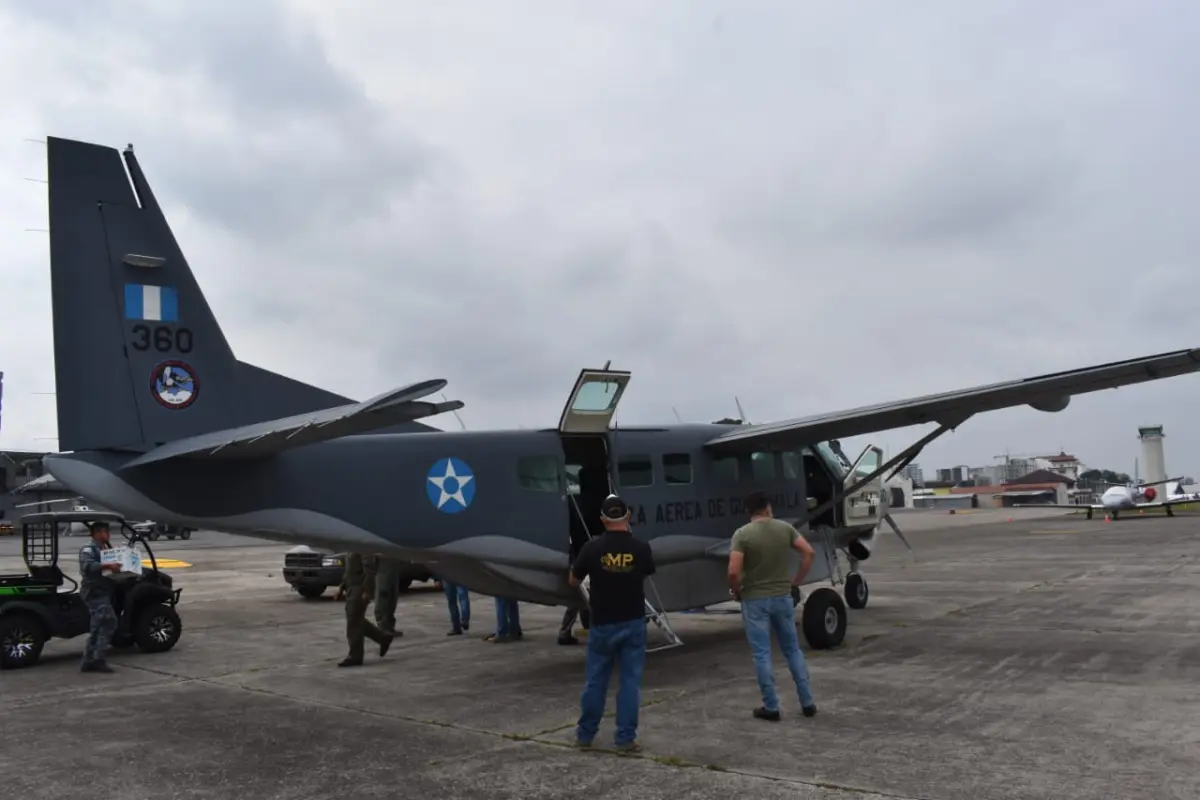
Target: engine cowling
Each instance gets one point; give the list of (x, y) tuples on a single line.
[(1149, 493), (860, 549)]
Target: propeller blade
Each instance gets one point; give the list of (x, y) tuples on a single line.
[(896, 530)]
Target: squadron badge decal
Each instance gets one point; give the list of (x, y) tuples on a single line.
[(174, 385)]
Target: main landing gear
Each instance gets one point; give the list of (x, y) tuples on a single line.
[(824, 618)]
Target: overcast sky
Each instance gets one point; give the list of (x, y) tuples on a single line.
[(806, 205)]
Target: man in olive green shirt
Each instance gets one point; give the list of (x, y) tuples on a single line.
[(760, 578)]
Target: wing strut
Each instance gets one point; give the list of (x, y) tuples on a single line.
[(896, 463)]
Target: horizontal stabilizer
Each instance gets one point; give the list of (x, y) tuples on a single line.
[(274, 436)]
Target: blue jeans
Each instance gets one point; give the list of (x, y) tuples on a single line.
[(626, 642), (508, 617), (761, 616), (454, 592)]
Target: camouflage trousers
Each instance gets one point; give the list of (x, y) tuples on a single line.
[(358, 626), (100, 632), (387, 593)]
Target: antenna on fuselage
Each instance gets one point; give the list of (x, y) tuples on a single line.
[(675, 411), (741, 413), (455, 413)]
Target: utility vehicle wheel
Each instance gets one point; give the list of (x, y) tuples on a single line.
[(22, 637), (310, 592), (856, 591), (157, 628), (824, 619), (186, 534)]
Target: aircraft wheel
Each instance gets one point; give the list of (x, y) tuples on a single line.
[(856, 591), (22, 637), (185, 534), (157, 628), (824, 619)]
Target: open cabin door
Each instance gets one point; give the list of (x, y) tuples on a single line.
[(866, 506), (593, 401)]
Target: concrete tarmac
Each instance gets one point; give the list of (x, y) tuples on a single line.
[(1045, 657)]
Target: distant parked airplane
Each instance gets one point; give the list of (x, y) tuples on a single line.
[(1120, 497)]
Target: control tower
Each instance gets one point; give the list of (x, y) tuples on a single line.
[(1153, 462)]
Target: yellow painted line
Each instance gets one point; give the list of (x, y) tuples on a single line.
[(166, 563)]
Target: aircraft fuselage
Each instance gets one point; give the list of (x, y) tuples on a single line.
[(494, 511)]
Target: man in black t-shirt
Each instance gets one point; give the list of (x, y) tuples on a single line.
[(615, 565)]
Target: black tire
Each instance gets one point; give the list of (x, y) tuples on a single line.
[(824, 619), (405, 584), (157, 628), (22, 637), (856, 591), (185, 534), (310, 592)]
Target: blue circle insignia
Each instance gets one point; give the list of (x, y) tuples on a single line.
[(450, 485)]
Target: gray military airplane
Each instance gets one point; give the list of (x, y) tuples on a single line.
[(157, 419)]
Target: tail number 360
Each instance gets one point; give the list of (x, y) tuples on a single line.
[(162, 338)]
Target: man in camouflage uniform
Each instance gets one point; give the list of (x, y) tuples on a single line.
[(387, 595), (358, 587), (96, 592)]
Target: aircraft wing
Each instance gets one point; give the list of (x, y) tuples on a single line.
[(267, 438), (1046, 393), (1171, 501), (1072, 506)]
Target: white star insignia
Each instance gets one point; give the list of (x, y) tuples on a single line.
[(440, 483)]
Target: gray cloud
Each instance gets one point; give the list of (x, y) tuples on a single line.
[(727, 198)]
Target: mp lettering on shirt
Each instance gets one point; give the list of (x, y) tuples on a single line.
[(617, 564)]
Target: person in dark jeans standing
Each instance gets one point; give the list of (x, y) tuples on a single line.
[(616, 565)]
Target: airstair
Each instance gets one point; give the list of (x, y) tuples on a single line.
[(653, 615)]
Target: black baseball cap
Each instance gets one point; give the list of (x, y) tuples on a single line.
[(613, 508)]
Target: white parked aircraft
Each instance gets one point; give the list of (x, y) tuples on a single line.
[(1128, 497)]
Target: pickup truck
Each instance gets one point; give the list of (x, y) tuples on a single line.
[(311, 571)]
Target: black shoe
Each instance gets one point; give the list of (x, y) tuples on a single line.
[(762, 713), (455, 632), (810, 711), (350, 662), (87, 666), (383, 648), (466, 626), (566, 640)]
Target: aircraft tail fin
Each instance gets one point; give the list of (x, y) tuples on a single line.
[(140, 359)]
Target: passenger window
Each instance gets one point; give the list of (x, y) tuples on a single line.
[(635, 471), (762, 466), (677, 468), (792, 464), (539, 473), (725, 470)]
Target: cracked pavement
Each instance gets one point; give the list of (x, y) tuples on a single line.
[(1045, 657)]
